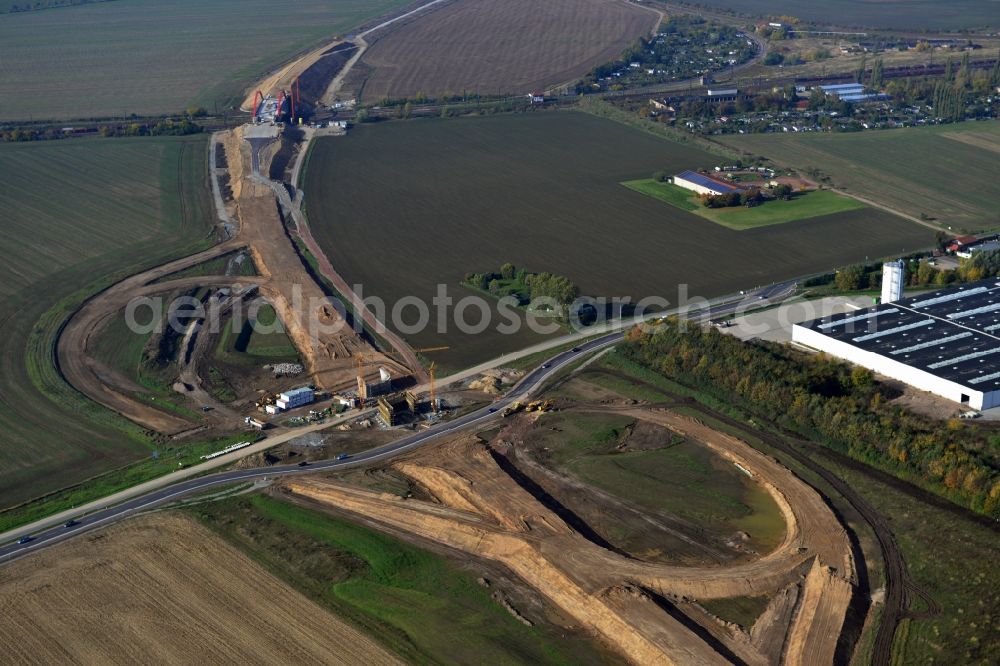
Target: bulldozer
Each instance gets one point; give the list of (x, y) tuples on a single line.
[(265, 400), (512, 409)]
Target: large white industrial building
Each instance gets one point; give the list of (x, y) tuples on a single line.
[(946, 343)]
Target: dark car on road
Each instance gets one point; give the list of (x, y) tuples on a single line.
[(24, 539)]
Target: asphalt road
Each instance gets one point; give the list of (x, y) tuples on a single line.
[(528, 385), (524, 388)]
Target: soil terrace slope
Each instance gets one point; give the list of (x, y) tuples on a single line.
[(329, 345), (482, 511)]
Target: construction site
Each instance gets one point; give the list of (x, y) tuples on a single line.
[(474, 494), (469, 498), (331, 351), (656, 531)]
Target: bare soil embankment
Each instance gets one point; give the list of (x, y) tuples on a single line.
[(640, 608)]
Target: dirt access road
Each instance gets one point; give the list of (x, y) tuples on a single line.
[(900, 589), (642, 609), (293, 208), (329, 346), (283, 78)]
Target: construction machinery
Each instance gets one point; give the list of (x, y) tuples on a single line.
[(430, 372), (265, 400), (511, 409), (366, 358), (533, 406)]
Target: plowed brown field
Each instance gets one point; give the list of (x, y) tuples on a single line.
[(163, 589), (514, 46)]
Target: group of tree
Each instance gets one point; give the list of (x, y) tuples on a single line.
[(525, 285), (47, 4), (167, 127), (19, 134), (829, 402), (783, 191), (749, 198)]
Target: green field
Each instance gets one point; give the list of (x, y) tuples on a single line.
[(679, 478), (744, 611), (401, 207), (126, 351), (157, 56), (951, 558), (801, 207), (78, 215), (426, 608), (234, 263), (946, 172), (910, 14), (256, 344)]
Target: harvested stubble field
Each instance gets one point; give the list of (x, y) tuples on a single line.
[(946, 172), (136, 56), (401, 207), (514, 46), (163, 589), (898, 14), (76, 213)]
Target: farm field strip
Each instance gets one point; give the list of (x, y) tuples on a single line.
[(945, 172), (513, 47), (168, 590), (83, 213), (135, 56), (902, 14), (445, 198)]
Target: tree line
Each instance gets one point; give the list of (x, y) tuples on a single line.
[(917, 270), (748, 198), (831, 403)]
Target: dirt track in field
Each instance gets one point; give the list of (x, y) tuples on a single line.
[(330, 347), (643, 609), (162, 589), (514, 47)]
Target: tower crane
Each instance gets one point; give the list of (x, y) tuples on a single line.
[(364, 358)]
